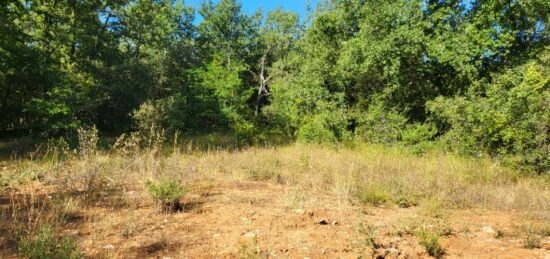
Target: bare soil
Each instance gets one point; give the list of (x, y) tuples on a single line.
[(237, 219)]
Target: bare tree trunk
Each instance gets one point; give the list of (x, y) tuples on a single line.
[(262, 88)]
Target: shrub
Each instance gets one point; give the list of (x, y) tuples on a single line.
[(168, 193), (150, 120), (314, 131), (509, 117), (414, 134), (532, 242), (380, 125), (87, 141), (44, 245), (328, 124)]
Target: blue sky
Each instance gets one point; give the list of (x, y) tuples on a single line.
[(250, 6)]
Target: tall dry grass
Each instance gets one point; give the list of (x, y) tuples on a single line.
[(359, 175)]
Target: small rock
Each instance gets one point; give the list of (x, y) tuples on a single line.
[(488, 229), (250, 234), (246, 220), (322, 222), (109, 247), (394, 251), (334, 222), (298, 211)]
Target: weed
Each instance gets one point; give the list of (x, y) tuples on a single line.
[(44, 245), (250, 250), (432, 207), (369, 233), (532, 241), (406, 201), (499, 234), (373, 195), (430, 240), (168, 193), (129, 228)]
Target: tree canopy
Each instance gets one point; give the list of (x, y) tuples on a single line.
[(472, 74)]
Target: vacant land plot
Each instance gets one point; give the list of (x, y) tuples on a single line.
[(296, 201)]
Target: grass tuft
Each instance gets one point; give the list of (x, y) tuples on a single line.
[(430, 240)]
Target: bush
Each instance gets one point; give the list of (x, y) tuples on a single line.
[(44, 245), (314, 131), (532, 242), (327, 125), (380, 125), (509, 118), (168, 193), (415, 134), (150, 120)]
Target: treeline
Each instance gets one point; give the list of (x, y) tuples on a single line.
[(471, 74)]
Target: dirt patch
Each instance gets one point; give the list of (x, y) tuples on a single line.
[(257, 219)]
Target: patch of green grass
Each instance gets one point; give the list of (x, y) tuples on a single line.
[(430, 240), (406, 201), (373, 195), (532, 242), (43, 244), (250, 250), (432, 207)]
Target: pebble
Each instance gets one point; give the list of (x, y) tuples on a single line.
[(250, 234), (488, 229), (298, 211), (109, 247)]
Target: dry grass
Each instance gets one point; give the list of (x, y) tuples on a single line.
[(70, 189)]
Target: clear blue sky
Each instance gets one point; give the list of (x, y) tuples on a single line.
[(250, 6)]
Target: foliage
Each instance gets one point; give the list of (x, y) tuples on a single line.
[(508, 117), (167, 192), (430, 240), (405, 71), (45, 245)]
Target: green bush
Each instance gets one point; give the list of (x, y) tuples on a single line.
[(327, 125), (314, 131), (44, 245), (168, 193), (414, 134), (380, 125), (508, 118)]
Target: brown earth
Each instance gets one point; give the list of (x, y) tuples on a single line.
[(255, 219)]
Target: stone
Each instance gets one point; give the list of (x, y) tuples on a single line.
[(488, 229), (109, 247)]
